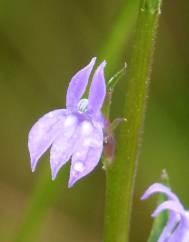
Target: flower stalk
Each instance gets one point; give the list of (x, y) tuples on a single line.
[(120, 175)]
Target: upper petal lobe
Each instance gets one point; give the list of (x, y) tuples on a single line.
[(97, 90), (78, 85), (158, 187)]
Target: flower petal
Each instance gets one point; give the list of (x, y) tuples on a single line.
[(158, 187), (63, 146), (97, 90), (181, 234), (177, 211), (43, 133), (170, 205), (177, 227), (87, 154), (78, 85), (169, 227)]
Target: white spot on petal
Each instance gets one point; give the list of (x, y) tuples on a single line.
[(70, 121), (50, 115), (77, 154), (79, 166), (57, 148), (91, 142), (86, 127)]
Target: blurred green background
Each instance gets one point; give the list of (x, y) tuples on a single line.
[(42, 44)]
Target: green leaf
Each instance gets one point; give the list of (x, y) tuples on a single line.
[(115, 78), (111, 83)]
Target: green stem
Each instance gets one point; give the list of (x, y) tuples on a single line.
[(121, 173)]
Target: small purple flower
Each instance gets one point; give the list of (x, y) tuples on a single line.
[(177, 227), (75, 132)]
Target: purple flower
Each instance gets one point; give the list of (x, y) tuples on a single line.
[(75, 132), (177, 227)]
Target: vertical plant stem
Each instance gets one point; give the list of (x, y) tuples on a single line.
[(121, 173)]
